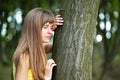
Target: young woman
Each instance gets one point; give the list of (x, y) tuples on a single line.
[(30, 55)]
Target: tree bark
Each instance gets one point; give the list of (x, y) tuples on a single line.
[(73, 43)]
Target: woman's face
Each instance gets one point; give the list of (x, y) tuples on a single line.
[(47, 32)]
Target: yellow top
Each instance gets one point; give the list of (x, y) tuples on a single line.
[(30, 75)]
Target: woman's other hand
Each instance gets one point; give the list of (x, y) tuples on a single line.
[(58, 21), (49, 67)]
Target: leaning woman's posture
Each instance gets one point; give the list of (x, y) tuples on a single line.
[(30, 55)]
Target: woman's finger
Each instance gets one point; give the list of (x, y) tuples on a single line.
[(57, 15), (58, 20), (50, 62), (53, 66)]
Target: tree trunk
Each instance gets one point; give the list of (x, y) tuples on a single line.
[(73, 43)]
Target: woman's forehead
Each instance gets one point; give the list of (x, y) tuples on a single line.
[(49, 23)]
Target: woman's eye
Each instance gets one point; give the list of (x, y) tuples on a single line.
[(45, 27)]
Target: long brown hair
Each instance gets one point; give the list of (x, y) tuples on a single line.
[(31, 41)]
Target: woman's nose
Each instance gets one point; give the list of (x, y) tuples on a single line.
[(50, 30)]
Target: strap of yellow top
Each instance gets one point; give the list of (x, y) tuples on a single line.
[(30, 75)]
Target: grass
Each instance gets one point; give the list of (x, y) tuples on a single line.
[(5, 72)]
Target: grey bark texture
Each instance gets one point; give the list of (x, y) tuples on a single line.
[(73, 42)]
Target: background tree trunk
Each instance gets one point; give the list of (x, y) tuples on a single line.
[(73, 43)]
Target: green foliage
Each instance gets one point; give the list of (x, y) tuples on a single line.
[(5, 72), (109, 9)]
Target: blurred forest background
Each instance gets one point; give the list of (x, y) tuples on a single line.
[(106, 54)]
